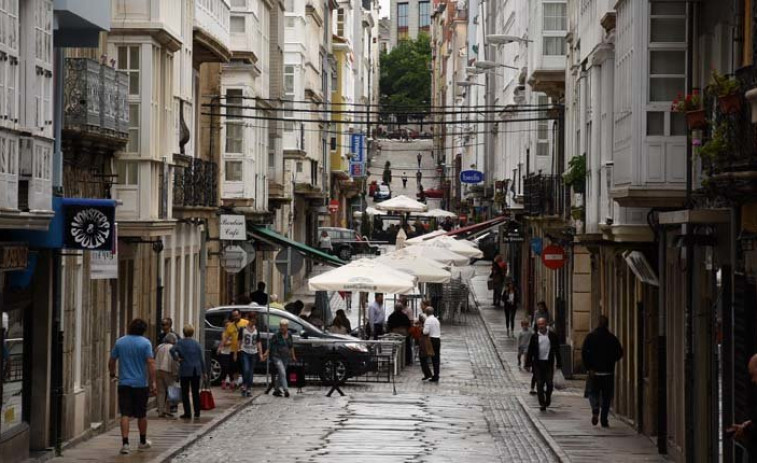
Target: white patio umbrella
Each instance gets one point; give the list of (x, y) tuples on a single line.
[(364, 275), (401, 238), (402, 203), (438, 254), (426, 237), (440, 214), (427, 271), (457, 246), (373, 211)]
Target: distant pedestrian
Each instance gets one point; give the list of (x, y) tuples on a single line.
[(524, 338), (295, 307), (497, 278), (543, 354), (746, 432), (260, 297), (432, 329), (191, 357), (419, 157), (341, 324), (399, 323), (167, 372), (404, 180), (376, 316), (166, 326), (231, 336), (541, 312), (432, 155), (324, 243), (510, 298), (136, 380), (419, 176), (447, 225), (601, 350), (281, 351), (250, 351)]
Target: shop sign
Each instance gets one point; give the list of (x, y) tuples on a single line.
[(103, 266), (13, 256), (471, 176), (232, 227), (89, 224), (553, 257), (234, 259), (357, 148), (357, 169)]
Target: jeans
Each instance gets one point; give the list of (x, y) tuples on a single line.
[(280, 382), (248, 367), (510, 310), (543, 371), (194, 382), (378, 330), (164, 380), (437, 344), (600, 395)]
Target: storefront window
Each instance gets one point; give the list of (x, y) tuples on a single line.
[(12, 370)]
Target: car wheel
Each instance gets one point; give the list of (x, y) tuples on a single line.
[(215, 371), (335, 366), (345, 254)]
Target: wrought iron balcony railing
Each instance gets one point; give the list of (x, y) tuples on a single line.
[(196, 185), (545, 195), (95, 99)]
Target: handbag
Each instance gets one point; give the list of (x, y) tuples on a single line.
[(296, 375), (174, 393), (428, 348), (559, 380), (206, 398)]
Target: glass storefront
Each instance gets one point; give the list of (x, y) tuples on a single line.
[(12, 390)]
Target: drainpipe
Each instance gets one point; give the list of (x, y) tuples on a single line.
[(662, 358)]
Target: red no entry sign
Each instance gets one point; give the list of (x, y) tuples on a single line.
[(553, 257)]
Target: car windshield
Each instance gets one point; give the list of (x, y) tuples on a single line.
[(384, 189), (296, 324)]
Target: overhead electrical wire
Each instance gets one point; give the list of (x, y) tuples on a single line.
[(360, 122)]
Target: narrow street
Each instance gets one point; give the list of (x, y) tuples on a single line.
[(403, 158)]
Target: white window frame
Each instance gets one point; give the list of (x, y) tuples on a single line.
[(234, 96), (549, 35)]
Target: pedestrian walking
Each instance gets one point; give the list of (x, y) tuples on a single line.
[(746, 432), (524, 338), (281, 351), (510, 298), (324, 243), (541, 312), (230, 339), (251, 350), (419, 176), (376, 316), (543, 354), (191, 358), (497, 279), (136, 380), (419, 157), (601, 350), (167, 370), (259, 297), (404, 180), (166, 326), (399, 323), (432, 329)]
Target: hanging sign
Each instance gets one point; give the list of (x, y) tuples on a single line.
[(89, 224), (103, 266), (553, 257), (471, 176), (536, 245), (13, 256), (233, 228), (234, 259)]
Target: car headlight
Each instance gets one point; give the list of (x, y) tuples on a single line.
[(356, 347)]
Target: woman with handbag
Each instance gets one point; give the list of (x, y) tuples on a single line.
[(191, 358), (167, 370), (497, 279)]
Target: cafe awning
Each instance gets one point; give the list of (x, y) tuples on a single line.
[(270, 236)]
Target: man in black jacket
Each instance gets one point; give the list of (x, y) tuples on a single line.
[(543, 353), (600, 351)]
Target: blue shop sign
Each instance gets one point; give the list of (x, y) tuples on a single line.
[(471, 176)]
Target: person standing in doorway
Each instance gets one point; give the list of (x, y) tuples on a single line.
[(136, 380), (191, 357), (432, 329), (377, 316), (510, 299), (259, 297), (404, 180), (601, 350), (419, 157), (543, 354)]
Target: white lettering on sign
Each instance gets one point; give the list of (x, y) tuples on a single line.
[(554, 256), (233, 228), (103, 265)]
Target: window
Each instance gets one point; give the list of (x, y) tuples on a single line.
[(234, 124), (555, 18), (289, 6), (402, 22), (239, 4), (542, 128), (233, 171), (133, 144), (237, 25), (340, 22), (127, 172), (288, 95), (554, 46), (424, 16), (42, 162), (43, 31), (299, 167), (13, 359), (128, 61), (667, 51)]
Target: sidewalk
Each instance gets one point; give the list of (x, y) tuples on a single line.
[(168, 437), (566, 424)]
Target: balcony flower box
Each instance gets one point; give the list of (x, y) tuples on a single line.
[(696, 119), (730, 104)]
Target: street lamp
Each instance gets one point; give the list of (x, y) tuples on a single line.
[(489, 65), (501, 39)]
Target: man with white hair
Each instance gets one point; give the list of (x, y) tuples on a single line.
[(281, 351), (432, 329), (543, 353)]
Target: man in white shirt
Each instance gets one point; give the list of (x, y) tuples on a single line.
[(376, 316), (432, 329), (543, 353)]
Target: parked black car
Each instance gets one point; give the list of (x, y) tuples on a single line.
[(349, 358), (346, 242)]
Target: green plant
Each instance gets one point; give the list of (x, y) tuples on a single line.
[(723, 85), (692, 102), (577, 213), (576, 173), (717, 144)]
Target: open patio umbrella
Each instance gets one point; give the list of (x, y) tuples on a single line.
[(424, 238), (427, 271), (440, 214), (364, 275), (373, 211), (457, 246), (437, 253), (401, 239), (402, 203)]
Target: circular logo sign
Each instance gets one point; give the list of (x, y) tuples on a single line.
[(553, 257)]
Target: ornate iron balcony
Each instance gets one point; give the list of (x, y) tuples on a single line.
[(544, 195), (196, 185)]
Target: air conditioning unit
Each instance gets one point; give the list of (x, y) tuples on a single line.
[(25, 157)]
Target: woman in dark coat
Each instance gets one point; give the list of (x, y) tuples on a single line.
[(191, 358), (497, 277)]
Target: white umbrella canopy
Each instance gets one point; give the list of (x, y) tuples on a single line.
[(440, 214), (427, 271), (401, 238), (459, 247), (373, 211), (426, 237), (366, 275), (436, 253), (402, 203)]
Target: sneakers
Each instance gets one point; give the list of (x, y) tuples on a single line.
[(277, 393), (124, 449), (145, 446)]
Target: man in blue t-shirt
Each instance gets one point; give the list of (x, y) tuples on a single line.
[(135, 363)]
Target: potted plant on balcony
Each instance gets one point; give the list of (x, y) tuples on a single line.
[(691, 105), (576, 175), (727, 90), (718, 144)]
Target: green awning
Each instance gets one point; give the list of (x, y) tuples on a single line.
[(272, 237)]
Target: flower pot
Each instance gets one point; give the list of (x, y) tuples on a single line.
[(730, 104), (696, 119)]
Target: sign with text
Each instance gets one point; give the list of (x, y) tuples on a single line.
[(357, 169), (357, 147), (553, 257), (103, 266), (471, 176), (13, 256), (89, 224), (234, 259), (233, 228)]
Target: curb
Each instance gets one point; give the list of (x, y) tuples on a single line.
[(559, 453), (174, 450)]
